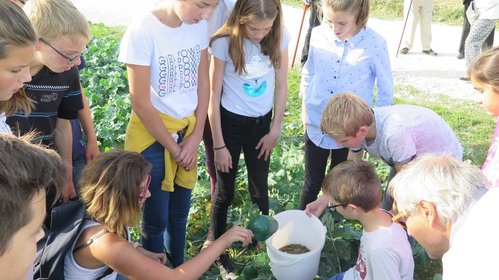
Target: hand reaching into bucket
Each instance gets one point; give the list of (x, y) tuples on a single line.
[(317, 207)]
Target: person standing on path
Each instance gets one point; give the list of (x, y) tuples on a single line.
[(489, 42), (421, 11), (488, 13), (312, 22)]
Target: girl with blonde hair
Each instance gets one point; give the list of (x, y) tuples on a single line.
[(114, 187)]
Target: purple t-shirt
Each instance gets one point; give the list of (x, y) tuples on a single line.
[(491, 165)]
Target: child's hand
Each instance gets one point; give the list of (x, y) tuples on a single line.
[(237, 233), (189, 152), (317, 207), (223, 160), (159, 257), (266, 144), (91, 150)]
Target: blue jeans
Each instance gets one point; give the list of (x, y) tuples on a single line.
[(78, 166), (338, 276), (165, 213)]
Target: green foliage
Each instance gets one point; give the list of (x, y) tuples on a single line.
[(105, 83), (106, 86)]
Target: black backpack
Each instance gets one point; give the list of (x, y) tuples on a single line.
[(67, 222)]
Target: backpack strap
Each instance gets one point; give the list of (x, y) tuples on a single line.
[(90, 240)]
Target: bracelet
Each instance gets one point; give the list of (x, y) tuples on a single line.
[(219, 148)]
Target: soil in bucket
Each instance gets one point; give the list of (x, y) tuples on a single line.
[(294, 249)]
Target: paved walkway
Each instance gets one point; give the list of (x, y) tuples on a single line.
[(430, 75)]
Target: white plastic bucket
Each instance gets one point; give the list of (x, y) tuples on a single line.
[(295, 227)]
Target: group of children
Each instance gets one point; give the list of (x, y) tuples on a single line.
[(233, 70)]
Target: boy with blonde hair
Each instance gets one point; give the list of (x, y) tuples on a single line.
[(397, 134), (55, 85), (353, 189)]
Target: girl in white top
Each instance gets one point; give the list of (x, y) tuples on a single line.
[(17, 47), (114, 188), (248, 75), (167, 63)]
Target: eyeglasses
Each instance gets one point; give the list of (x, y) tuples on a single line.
[(399, 219), (333, 207), (143, 192), (69, 60)]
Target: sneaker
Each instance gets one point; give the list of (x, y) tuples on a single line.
[(404, 51), (226, 266), (460, 56), (430, 52)]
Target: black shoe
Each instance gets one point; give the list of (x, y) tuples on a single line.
[(226, 266), (404, 51), (460, 56), (430, 52), (466, 79)]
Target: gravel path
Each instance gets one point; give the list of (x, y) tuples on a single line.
[(428, 74)]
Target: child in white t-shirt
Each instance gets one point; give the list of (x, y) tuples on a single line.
[(353, 189), (248, 80), (167, 63)]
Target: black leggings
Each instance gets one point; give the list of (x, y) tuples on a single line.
[(315, 168), (241, 133)]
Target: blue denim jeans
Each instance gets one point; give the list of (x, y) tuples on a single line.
[(78, 166), (165, 213)]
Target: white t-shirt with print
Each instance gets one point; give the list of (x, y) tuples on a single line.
[(251, 93), (173, 55), (383, 254)]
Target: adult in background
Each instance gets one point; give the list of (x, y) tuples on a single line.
[(488, 13), (449, 209), (421, 12), (489, 42), (313, 21)]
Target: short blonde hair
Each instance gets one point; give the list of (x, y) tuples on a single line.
[(53, 19), (354, 182), (110, 189), (345, 114)]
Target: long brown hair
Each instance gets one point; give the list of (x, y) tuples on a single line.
[(246, 11), (16, 31), (110, 189)]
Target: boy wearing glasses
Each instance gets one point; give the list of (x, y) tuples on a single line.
[(55, 84), (353, 189)]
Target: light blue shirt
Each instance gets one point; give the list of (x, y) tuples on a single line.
[(336, 66)]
